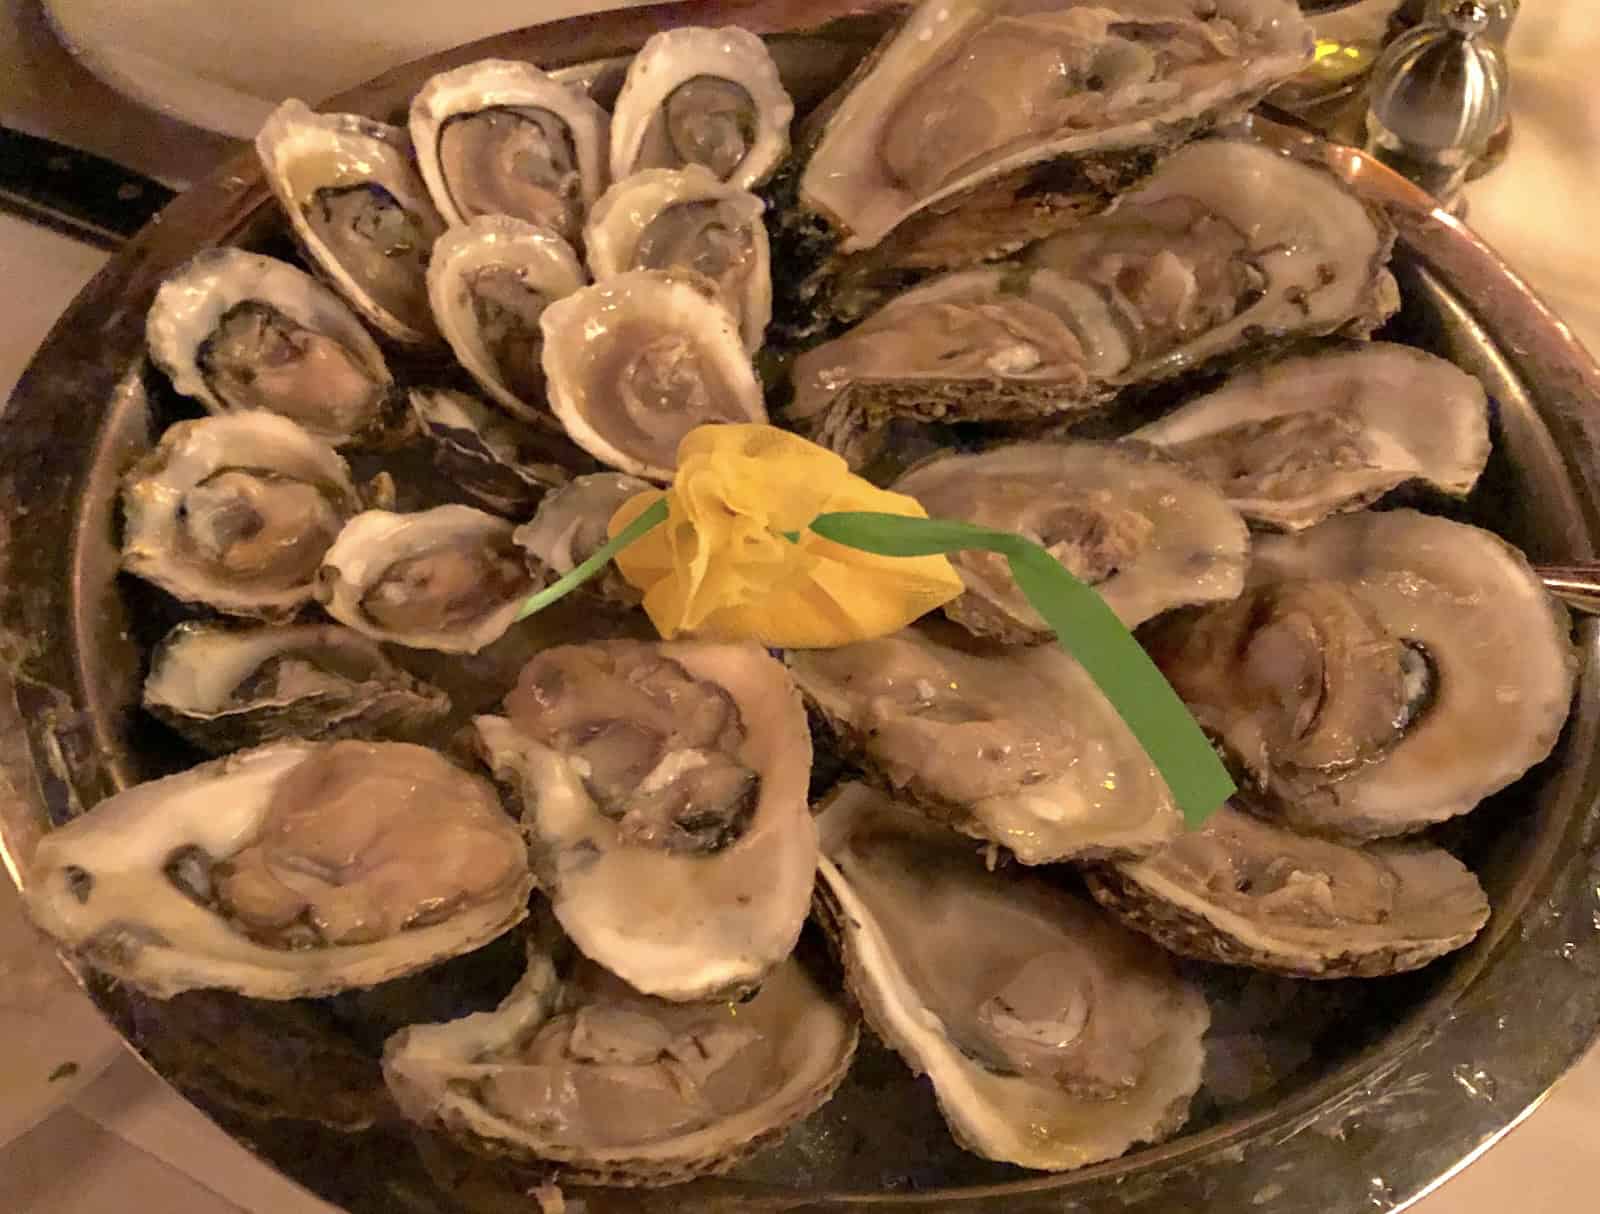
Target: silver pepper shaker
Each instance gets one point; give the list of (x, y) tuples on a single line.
[(1437, 96)]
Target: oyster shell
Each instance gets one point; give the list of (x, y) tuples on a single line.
[(448, 578), (489, 283), (1018, 747), (293, 870), (1245, 892), (664, 787), (1382, 671), (636, 362), (237, 331), (1132, 524), (359, 209), (576, 1069), (1229, 246), (502, 466), (1053, 1038), (666, 219), (572, 524), (499, 137), (235, 512), (710, 97), (224, 688), (1302, 438)]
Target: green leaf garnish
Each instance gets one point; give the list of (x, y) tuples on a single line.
[(539, 600), (1084, 626)]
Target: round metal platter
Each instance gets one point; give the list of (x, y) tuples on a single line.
[(1388, 1086)]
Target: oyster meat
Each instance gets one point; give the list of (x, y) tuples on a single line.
[(503, 466), (236, 512), (500, 137), (224, 688), (1229, 246), (1130, 523), (664, 786), (571, 525), (1018, 747), (449, 578), (489, 283), (577, 1069), (293, 870), (359, 209), (637, 361), (238, 331), (1053, 1037), (698, 96), (1302, 438), (687, 219), (1382, 671), (1246, 892)]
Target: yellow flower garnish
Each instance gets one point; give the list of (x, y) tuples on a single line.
[(736, 559)]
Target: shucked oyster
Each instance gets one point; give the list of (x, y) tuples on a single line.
[(293, 870), (1230, 245), (239, 331), (1245, 892), (1015, 746), (236, 512), (664, 786), (1381, 672), (636, 362), (709, 97), (501, 138), (448, 578), (1053, 1038), (578, 1070), (1300, 439), (666, 219), (359, 209), (502, 465), (571, 525), (223, 687), (1132, 524)]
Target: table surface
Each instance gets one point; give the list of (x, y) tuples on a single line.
[(116, 1138)]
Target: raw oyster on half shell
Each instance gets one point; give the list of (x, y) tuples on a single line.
[(289, 871), (1016, 746), (502, 465), (1053, 1037), (225, 688), (238, 331), (572, 524), (236, 512), (664, 788), (1127, 521), (359, 209), (500, 137), (1246, 892)]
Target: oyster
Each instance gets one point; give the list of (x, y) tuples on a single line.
[(1018, 747), (293, 870), (238, 331), (1147, 536), (571, 525), (664, 786), (359, 209), (697, 96), (1381, 672), (1302, 438), (1053, 1038), (636, 362), (448, 578), (504, 467), (981, 124), (1229, 246), (224, 688), (235, 512), (499, 137), (490, 282), (1246, 892), (666, 219), (578, 1070)]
